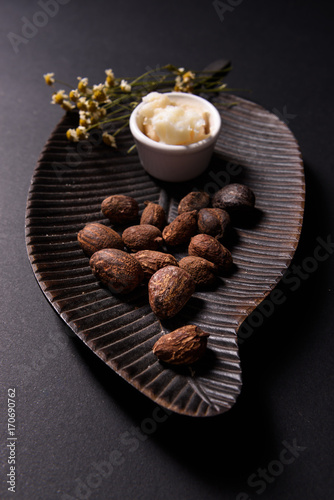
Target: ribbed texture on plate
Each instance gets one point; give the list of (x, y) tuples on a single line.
[(69, 183)]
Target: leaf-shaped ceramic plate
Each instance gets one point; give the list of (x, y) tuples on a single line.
[(68, 185)]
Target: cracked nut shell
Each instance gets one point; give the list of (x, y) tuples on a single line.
[(117, 269), (208, 247), (213, 221), (202, 270), (151, 261), (195, 200), (181, 229), (234, 198), (169, 289), (142, 237), (95, 236), (120, 209), (186, 345), (154, 215)]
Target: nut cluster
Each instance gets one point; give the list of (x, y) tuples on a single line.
[(137, 250)]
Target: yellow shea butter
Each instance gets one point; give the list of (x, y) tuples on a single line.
[(171, 121)]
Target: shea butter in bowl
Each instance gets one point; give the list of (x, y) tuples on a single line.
[(175, 134)]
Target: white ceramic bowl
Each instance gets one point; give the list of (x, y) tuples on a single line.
[(176, 163)]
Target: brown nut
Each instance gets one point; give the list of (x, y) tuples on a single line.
[(202, 270), (213, 221), (142, 237), (186, 345), (234, 198), (120, 209), (95, 236), (208, 247), (181, 229), (195, 200), (151, 261), (169, 289), (154, 215), (120, 271)]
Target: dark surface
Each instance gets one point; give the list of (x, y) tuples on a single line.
[(75, 417)]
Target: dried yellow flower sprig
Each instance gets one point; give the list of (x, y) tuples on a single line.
[(108, 105)]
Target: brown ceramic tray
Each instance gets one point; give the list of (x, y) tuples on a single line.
[(68, 185)]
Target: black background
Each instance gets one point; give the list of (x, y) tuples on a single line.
[(74, 415)]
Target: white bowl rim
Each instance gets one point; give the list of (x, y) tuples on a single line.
[(177, 148)]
